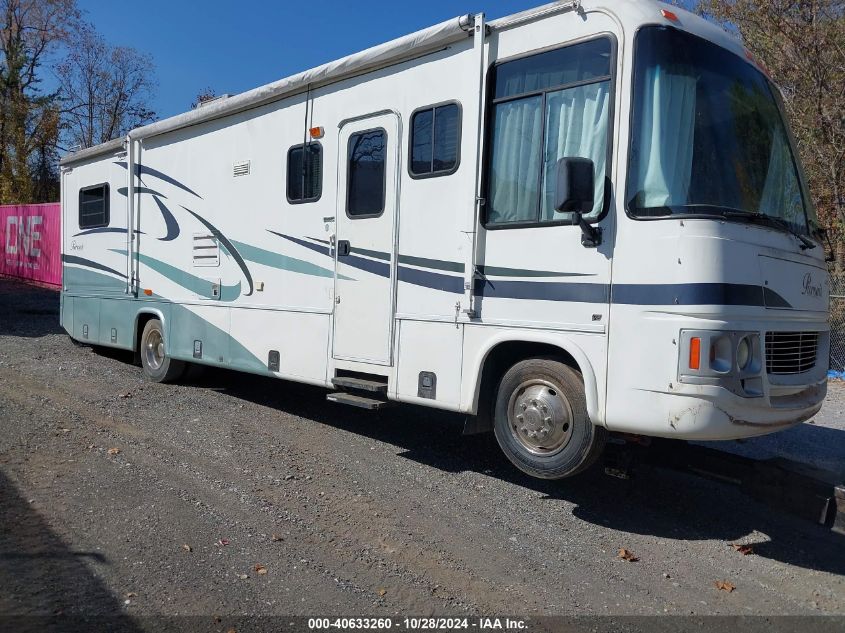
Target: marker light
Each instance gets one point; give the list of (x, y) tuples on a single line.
[(148, 292), (316, 132), (669, 15), (695, 353)]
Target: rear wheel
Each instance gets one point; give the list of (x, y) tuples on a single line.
[(541, 422), (156, 364)]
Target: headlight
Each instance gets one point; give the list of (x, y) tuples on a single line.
[(743, 354), (726, 358)]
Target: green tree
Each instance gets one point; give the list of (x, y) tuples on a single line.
[(30, 30)]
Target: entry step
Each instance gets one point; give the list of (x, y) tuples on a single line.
[(360, 384), (362, 402)]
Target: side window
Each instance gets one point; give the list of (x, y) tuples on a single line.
[(94, 206), (546, 107), (435, 141), (305, 173), (365, 180)]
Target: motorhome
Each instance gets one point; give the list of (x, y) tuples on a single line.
[(585, 218)]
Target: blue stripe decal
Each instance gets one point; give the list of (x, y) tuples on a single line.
[(377, 268), (169, 221), (691, 294), (143, 169), (103, 229), (427, 279), (543, 291), (124, 191), (314, 247), (79, 261)]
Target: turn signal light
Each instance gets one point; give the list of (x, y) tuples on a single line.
[(316, 132), (695, 353)]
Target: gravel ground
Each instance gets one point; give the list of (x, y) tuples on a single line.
[(123, 498)]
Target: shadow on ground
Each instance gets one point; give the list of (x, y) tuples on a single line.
[(657, 502), (27, 310), (46, 586)]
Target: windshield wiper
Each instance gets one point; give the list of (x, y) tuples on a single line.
[(806, 243)]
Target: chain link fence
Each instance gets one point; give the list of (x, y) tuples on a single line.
[(837, 322)]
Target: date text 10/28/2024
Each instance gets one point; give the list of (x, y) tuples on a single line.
[(418, 624)]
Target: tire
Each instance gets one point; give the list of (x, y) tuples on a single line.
[(155, 363), (541, 423)]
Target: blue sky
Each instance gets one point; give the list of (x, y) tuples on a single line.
[(233, 46)]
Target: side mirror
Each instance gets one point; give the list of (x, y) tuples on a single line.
[(575, 193), (576, 185)]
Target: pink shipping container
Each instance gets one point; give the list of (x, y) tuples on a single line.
[(30, 242)]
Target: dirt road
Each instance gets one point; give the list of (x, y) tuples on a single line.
[(231, 494)]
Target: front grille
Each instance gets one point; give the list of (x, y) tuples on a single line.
[(789, 353)]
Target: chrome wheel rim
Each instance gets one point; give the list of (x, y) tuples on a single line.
[(540, 418), (154, 350)]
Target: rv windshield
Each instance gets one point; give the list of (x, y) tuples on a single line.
[(709, 137)]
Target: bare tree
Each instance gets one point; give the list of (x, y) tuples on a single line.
[(802, 43), (205, 95), (106, 90)]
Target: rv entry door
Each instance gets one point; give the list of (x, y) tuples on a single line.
[(365, 239)]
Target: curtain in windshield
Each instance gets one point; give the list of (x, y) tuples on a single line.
[(667, 124), (708, 136)]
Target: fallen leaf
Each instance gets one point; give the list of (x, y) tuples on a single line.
[(243, 576), (125, 395), (65, 430), (218, 619), (131, 594), (114, 451), (90, 446), (278, 537), (382, 592), (745, 550), (260, 569), (724, 585), (627, 555), (223, 541), (187, 548)]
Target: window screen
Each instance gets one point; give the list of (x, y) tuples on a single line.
[(94, 207), (435, 137), (305, 173), (547, 106), (366, 174)]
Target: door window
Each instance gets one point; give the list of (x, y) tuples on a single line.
[(365, 186)]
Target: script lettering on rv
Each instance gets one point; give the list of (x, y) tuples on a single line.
[(22, 235), (811, 289)]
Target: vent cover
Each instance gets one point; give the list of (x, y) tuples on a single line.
[(241, 168), (206, 250)]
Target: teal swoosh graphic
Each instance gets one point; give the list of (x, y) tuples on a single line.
[(283, 262), (201, 287), (230, 248)]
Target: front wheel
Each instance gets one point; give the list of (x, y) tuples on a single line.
[(541, 422), (156, 364)]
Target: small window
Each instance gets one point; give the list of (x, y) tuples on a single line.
[(305, 173), (365, 187), (435, 140), (94, 207)]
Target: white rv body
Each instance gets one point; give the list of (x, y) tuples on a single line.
[(431, 297)]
